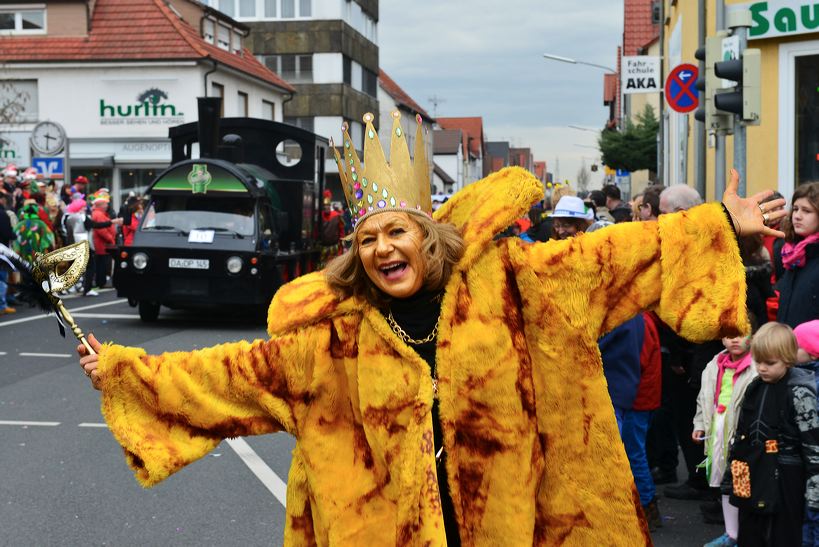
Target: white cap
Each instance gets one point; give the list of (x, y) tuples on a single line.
[(572, 207)]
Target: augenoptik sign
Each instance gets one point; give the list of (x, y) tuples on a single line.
[(781, 17), (151, 107)]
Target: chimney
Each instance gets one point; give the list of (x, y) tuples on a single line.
[(209, 113)]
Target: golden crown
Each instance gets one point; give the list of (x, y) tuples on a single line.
[(400, 185)]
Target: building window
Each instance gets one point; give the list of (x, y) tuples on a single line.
[(268, 111), (264, 9), (348, 71), (807, 119), (369, 82), (219, 91), (22, 21), (297, 69), (208, 30), (243, 105), (237, 43), (301, 121), (247, 8), (228, 7), (18, 101), (223, 37)]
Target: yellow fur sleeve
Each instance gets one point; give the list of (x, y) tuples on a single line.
[(685, 266), (171, 409)]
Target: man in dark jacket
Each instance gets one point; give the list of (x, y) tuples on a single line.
[(6, 235)]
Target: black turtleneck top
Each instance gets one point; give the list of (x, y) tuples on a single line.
[(417, 315)]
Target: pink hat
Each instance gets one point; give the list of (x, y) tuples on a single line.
[(807, 335), (76, 206)]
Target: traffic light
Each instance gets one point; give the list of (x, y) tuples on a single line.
[(745, 98), (709, 85)]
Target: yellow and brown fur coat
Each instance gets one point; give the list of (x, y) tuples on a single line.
[(534, 455)]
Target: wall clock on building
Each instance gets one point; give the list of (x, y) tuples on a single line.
[(47, 138)]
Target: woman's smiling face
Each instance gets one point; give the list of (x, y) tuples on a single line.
[(389, 247)]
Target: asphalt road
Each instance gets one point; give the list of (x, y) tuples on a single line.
[(64, 478)]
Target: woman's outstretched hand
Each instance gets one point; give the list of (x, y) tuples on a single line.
[(748, 214), (89, 362)]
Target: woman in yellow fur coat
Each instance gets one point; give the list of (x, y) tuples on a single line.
[(442, 386)]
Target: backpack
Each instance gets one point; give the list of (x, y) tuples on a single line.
[(755, 448), (330, 230)]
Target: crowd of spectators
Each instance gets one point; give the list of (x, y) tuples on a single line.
[(38, 215)]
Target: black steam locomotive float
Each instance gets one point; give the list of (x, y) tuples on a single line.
[(228, 228)]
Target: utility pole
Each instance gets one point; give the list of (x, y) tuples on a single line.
[(699, 127), (719, 135), (741, 22)]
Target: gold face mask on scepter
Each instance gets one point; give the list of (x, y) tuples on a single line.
[(60, 270)]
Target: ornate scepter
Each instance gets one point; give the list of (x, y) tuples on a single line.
[(47, 276)]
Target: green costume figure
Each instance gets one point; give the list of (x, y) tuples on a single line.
[(33, 235)]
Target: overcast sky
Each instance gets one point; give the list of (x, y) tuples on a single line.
[(485, 58)]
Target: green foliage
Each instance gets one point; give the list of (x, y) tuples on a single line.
[(635, 147)]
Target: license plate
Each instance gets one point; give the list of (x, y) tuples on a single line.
[(189, 263)]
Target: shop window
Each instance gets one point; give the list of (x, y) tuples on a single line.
[(807, 119), (18, 101), (135, 181), (23, 21)]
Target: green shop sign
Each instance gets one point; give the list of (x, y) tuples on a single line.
[(781, 18), (149, 108)]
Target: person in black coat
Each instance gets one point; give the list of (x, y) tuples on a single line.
[(797, 259), (6, 236)]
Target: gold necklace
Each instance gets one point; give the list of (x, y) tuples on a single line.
[(396, 328)]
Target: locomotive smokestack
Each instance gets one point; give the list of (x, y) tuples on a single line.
[(210, 109)]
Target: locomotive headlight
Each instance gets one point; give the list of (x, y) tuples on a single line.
[(140, 261), (234, 264)]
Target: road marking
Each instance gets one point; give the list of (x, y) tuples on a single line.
[(269, 478), (87, 424), (15, 422), (3, 353), (44, 316), (61, 355), (107, 315)]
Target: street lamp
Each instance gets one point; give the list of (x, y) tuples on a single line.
[(576, 62), (583, 128)]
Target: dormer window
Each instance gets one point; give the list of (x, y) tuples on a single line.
[(223, 37), (208, 29), (237, 43), (23, 20)]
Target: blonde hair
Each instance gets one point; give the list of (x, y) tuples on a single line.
[(774, 342), (442, 248)]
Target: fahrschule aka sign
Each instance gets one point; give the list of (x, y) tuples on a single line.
[(781, 18), (640, 74)]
